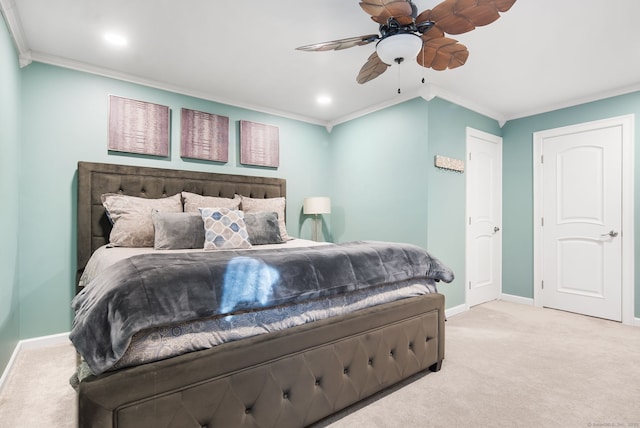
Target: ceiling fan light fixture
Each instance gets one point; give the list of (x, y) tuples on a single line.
[(398, 47)]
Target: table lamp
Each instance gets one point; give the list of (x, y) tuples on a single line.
[(316, 205)]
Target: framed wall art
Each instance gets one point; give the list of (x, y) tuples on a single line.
[(204, 136), (138, 127), (259, 144)]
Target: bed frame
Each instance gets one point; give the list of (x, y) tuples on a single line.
[(290, 378)]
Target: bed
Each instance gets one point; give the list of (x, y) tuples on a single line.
[(287, 377)]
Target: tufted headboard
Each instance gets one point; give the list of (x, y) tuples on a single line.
[(95, 179)]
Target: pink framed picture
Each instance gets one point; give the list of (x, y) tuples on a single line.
[(259, 144), (138, 127), (204, 136)]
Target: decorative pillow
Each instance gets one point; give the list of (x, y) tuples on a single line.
[(277, 205), (193, 201), (175, 231), (224, 229), (131, 217), (263, 228)]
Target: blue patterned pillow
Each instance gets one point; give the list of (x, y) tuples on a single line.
[(224, 229)]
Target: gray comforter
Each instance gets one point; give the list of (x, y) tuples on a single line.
[(162, 289)]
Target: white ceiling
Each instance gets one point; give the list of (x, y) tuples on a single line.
[(540, 55)]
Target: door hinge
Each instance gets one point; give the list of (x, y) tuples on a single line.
[(542, 283), (541, 158), (469, 221), (469, 285), (542, 221), (469, 155)]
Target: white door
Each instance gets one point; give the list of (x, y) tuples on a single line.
[(582, 221), (484, 217)]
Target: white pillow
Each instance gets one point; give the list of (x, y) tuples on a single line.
[(193, 201), (131, 217)]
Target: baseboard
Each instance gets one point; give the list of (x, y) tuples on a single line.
[(515, 299), (34, 343), (7, 369), (455, 310), (45, 341)]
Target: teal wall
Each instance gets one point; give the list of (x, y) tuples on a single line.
[(518, 186), (379, 175), (385, 186), (9, 189), (64, 117)]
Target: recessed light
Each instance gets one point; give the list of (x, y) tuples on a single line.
[(115, 39), (324, 99)]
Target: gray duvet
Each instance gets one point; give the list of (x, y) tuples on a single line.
[(162, 289)]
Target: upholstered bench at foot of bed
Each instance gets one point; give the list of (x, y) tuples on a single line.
[(285, 379)]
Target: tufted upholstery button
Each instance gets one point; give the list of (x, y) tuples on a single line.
[(318, 382), (410, 345), (391, 353), (346, 370), (370, 362), (247, 410)]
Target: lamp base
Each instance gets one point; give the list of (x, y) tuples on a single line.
[(315, 227)]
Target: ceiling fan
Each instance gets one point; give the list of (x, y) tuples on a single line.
[(406, 34)]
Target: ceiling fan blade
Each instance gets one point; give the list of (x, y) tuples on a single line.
[(383, 19), (373, 68), (461, 16), (442, 53), (382, 9), (432, 33), (424, 16), (503, 5), (445, 17), (340, 44)]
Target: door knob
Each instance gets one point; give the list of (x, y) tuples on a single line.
[(612, 234), (497, 229)]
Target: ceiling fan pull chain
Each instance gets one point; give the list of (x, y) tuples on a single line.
[(399, 61), (424, 69)]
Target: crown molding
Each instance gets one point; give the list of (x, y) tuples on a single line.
[(381, 106), (577, 101), (113, 74), (433, 91), (8, 9), (428, 92)]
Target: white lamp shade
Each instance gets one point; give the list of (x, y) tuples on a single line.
[(403, 45), (317, 205)]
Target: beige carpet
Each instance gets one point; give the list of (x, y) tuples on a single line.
[(37, 391), (506, 365)]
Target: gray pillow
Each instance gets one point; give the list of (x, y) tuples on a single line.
[(175, 231), (263, 228), (278, 205)]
